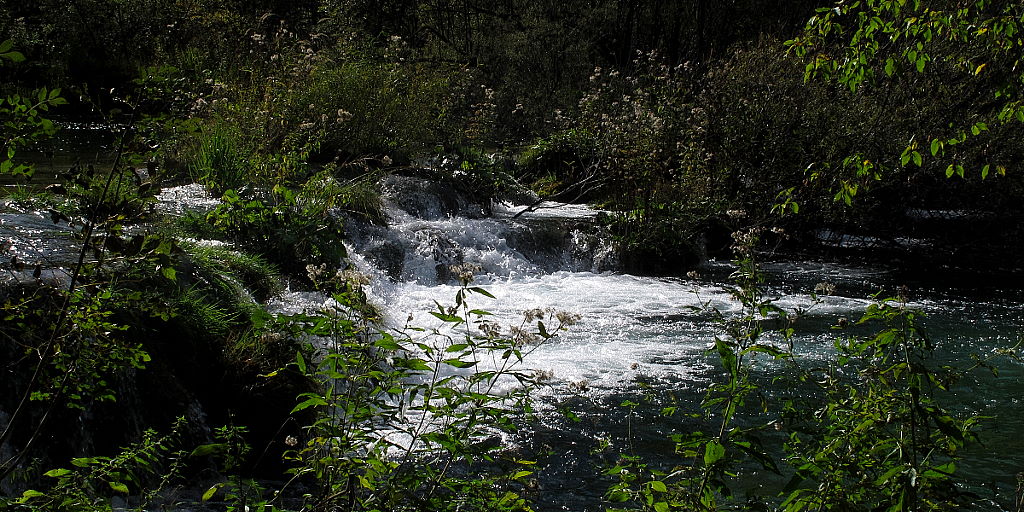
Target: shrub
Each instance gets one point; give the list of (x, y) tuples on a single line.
[(558, 162), (363, 108), (110, 196), (289, 232)]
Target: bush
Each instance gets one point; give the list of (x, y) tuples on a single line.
[(362, 108), (558, 162), (113, 196), (289, 232)]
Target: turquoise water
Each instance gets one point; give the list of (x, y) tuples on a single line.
[(639, 341)]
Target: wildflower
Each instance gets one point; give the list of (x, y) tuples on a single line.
[(566, 318), (490, 329), (543, 375), (533, 314), (352, 276), (523, 337), (825, 288), (465, 272), (314, 272), (580, 386), (291, 441)]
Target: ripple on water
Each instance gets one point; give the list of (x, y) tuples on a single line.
[(32, 240)]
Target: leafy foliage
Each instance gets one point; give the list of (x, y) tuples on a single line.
[(22, 117), (289, 233), (145, 468), (881, 439)]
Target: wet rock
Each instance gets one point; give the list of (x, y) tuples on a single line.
[(428, 199), (442, 252), (387, 255)]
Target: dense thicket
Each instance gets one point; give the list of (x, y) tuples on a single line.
[(673, 111)]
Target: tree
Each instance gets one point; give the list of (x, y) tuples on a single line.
[(866, 42), (21, 121)]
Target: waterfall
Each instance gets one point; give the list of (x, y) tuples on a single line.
[(640, 338)]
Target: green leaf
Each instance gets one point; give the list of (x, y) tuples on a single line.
[(659, 486), (309, 402), (29, 494), (946, 469), (726, 355), (984, 171), (444, 317), (890, 66), (387, 344), (936, 145), (119, 487), (481, 291), (521, 474), (768, 349), (413, 364), (713, 452), (458, 363), (57, 473), (917, 158), (211, 491), (618, 496), (660, 506), (209, 449), (169, 273), (300, 361)]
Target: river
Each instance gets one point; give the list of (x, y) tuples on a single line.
[(638, 340)]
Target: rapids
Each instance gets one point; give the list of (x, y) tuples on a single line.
[(640, 339), (645, 339)]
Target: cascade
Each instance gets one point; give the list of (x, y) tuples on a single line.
[(638, 336)]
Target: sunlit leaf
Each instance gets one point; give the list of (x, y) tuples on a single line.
[(713, 452)]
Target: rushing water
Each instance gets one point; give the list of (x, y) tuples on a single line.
[(639, 338)]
